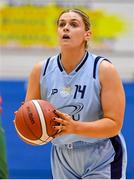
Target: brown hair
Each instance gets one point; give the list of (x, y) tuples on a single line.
[(84, 17)]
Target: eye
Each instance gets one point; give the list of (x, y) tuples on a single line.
[(61, 24), (74, 24)]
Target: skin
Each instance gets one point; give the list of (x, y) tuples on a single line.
[(112, 92)]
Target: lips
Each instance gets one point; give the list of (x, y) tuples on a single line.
[(65, 36)]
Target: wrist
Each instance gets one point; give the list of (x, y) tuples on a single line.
[(78, 127)]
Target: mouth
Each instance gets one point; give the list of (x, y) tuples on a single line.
[(65, 36)]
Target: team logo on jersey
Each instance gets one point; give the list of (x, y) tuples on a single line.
[(73, 110), (78, 90), (54, 91), (66, 91)]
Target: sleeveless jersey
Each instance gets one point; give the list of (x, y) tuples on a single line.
[(76, 93)]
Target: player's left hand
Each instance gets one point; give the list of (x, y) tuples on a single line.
[(66, 124)]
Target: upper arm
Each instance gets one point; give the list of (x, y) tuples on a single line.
[(33, 89), (112, 93)]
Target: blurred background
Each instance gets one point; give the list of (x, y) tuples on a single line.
[(28, 35)]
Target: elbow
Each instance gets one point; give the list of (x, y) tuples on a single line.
[(117, 127)]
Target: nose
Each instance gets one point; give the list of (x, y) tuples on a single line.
[(66, 28)]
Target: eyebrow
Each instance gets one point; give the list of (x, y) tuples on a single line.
[(70, 20)]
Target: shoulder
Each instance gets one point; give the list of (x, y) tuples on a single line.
[(36, 70), (106, 66), (41, 66), (38, 66), (108, 73)]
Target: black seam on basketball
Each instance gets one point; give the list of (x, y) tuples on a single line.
[(29, 129), (34, 134)]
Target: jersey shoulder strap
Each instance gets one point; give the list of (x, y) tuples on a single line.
[(46, 65), (95, 64)]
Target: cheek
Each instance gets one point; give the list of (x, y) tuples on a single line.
[(58, 32), (59, 35), (79, 35)]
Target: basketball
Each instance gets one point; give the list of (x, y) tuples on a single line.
[(34, 122)]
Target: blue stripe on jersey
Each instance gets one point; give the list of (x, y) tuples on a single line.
[(95, 64), (82, 63), (58, 61), (116, 165), (46, 66)]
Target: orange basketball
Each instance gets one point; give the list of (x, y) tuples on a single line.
[(34, 122)]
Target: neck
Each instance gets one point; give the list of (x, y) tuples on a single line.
[(71, 58)]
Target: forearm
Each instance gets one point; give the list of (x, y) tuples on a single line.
[(102, 128), (98, 129)]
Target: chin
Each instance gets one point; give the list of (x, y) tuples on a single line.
[(66, 45)]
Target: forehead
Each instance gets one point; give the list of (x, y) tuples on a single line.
[(70, 16)]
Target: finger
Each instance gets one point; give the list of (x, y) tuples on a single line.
[(59, 120), (62, 115), (59, 113), (58, 134), (59, 128)]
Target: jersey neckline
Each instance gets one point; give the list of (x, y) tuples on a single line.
[(78, 67)]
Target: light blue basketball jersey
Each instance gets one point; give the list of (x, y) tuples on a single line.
[(76, 93)]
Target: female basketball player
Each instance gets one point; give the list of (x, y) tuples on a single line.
[(88, 93)]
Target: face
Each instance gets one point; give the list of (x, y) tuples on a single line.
[(71, 30)]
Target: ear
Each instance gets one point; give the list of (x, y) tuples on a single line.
[(87, 35)]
